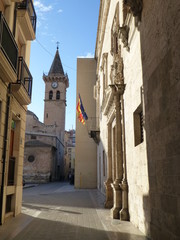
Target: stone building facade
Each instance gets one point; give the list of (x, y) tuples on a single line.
[(43, 156), (85, 151), (137, 104), (69, 156), (44, 142), (17, 30)]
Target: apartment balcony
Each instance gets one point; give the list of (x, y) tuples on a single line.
[(22, 89), (8, 52), (27, 18)]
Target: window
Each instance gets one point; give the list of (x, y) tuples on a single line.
[(8, 203), (138, 126), (31, 158), (13, 126), (33, 136), (104, 68), (104, 170), (114, 32), (11, 170), (58, 95), (50, 95)]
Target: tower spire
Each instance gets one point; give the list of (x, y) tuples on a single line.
[(56, 67), (57, 45)]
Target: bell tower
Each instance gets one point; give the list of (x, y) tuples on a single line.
[(56, 83)]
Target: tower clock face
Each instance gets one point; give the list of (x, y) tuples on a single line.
[(54, 84)]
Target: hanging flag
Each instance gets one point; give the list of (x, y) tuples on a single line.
[(82, 116)]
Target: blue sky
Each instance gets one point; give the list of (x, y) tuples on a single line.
[(73, 23)]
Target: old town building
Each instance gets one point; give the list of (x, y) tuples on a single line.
[(86, 164), (17, 30), (137, 108), (44, 142), (69, 156)]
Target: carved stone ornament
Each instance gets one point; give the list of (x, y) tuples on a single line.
[(116, 74), (135, 7), (124, 33)]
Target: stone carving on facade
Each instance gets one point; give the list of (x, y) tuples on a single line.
[(116, 74), (124, 34), (135, 7)]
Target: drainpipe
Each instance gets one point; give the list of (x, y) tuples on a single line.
[(4, 154)]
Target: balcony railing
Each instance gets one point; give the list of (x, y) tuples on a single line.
[(28, 5), (24, 76), (8, 44)]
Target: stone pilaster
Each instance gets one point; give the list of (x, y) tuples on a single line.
[(124, 213), (117, 199), (117, 192), (109, 190), (109, 194)]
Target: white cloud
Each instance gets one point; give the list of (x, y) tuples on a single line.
[(60, 11), (88, 55), (40, 7)]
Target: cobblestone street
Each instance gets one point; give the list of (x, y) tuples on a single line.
[(58, 211)]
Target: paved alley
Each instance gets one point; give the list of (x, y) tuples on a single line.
[(58, 211)]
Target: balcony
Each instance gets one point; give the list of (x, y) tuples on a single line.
[(93, 129), (8, 52), (27, 18), (22, 89)]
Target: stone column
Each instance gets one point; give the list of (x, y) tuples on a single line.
[(109, 191), (124, 213), (117, 194)]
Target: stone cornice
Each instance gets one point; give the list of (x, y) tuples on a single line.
[(57, 78)]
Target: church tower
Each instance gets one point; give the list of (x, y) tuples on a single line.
[(56, 83)]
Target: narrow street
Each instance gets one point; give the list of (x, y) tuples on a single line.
[(58, 211)]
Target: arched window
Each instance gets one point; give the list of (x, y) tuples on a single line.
[(50, 95), (58, 95)]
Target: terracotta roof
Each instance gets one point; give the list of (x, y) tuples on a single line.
[(56, 67)]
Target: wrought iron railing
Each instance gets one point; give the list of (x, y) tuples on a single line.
[(24, 76), (8, 44), (29, 6)]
